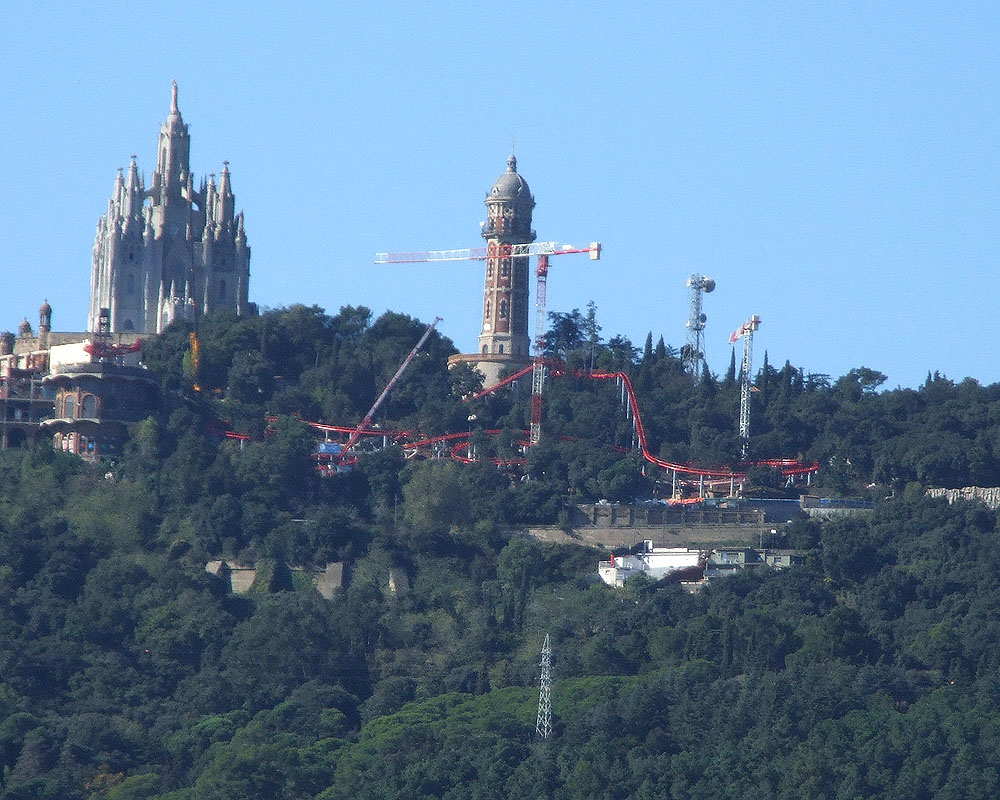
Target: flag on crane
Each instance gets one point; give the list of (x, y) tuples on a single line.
[(745, 329)]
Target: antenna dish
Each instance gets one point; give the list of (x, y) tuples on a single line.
[(708, 285)]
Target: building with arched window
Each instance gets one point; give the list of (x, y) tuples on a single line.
[(504, 345), (94, 402), (27, 398)]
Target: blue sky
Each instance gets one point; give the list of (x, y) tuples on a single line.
[(834, 166)]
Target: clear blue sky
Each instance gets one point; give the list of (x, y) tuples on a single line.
[(834, 166)]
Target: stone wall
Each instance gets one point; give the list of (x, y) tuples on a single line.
[(614, 515), (700, 536), (990, 496)]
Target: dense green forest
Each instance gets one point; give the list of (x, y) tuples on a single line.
[(127, 671)]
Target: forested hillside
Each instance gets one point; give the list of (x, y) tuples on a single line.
[(128, 671)]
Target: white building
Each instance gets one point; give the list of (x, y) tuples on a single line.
[(655, 562)]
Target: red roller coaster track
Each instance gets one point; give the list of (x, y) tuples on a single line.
[(458, 445)]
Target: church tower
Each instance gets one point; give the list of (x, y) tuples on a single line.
[(170, 251)]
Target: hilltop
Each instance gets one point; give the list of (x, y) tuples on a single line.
[(127, 671)]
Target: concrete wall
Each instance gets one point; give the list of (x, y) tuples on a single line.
[(701, 536), (990, 496)]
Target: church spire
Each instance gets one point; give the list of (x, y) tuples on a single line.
[(133, 195), (174, 151), (226, 199)]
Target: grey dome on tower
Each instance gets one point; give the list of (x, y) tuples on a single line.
[(511, 186)]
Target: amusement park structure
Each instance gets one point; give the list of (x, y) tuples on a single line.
[(682, 476)]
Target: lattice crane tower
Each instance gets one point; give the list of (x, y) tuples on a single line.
[(745, 331), (543, 723), (694, 351)]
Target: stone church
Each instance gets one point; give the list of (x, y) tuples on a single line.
[(169, 251)]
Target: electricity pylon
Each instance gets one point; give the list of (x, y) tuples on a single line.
[(543, 724)]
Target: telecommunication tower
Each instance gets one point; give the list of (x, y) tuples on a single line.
[(693, 352), (543, 723), (745, 331)]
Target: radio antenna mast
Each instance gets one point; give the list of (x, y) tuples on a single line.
[(693, 353)]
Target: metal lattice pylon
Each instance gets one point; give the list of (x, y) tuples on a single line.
[(543, 724), (693, 353)]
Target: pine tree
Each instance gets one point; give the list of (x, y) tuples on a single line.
[(731, 372)]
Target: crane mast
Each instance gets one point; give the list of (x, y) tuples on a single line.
[(538, 366), (745, 332)]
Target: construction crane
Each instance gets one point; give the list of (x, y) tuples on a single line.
[(352, 440), (492, 250), (745, 332), (543, 250)]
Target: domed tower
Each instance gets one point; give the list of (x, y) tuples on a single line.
[(505, 298), (504, 345), (505, 302)]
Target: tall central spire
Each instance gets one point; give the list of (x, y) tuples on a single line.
[(174, 152)]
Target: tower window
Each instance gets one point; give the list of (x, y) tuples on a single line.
[(501, 350), (222, 289), (489, 308), (503, 309), (486, 349), (130, 283), (505, 268)]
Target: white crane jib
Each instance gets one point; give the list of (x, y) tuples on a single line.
[(494, 249)]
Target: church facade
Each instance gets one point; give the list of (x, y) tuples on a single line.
[(169, 251)]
